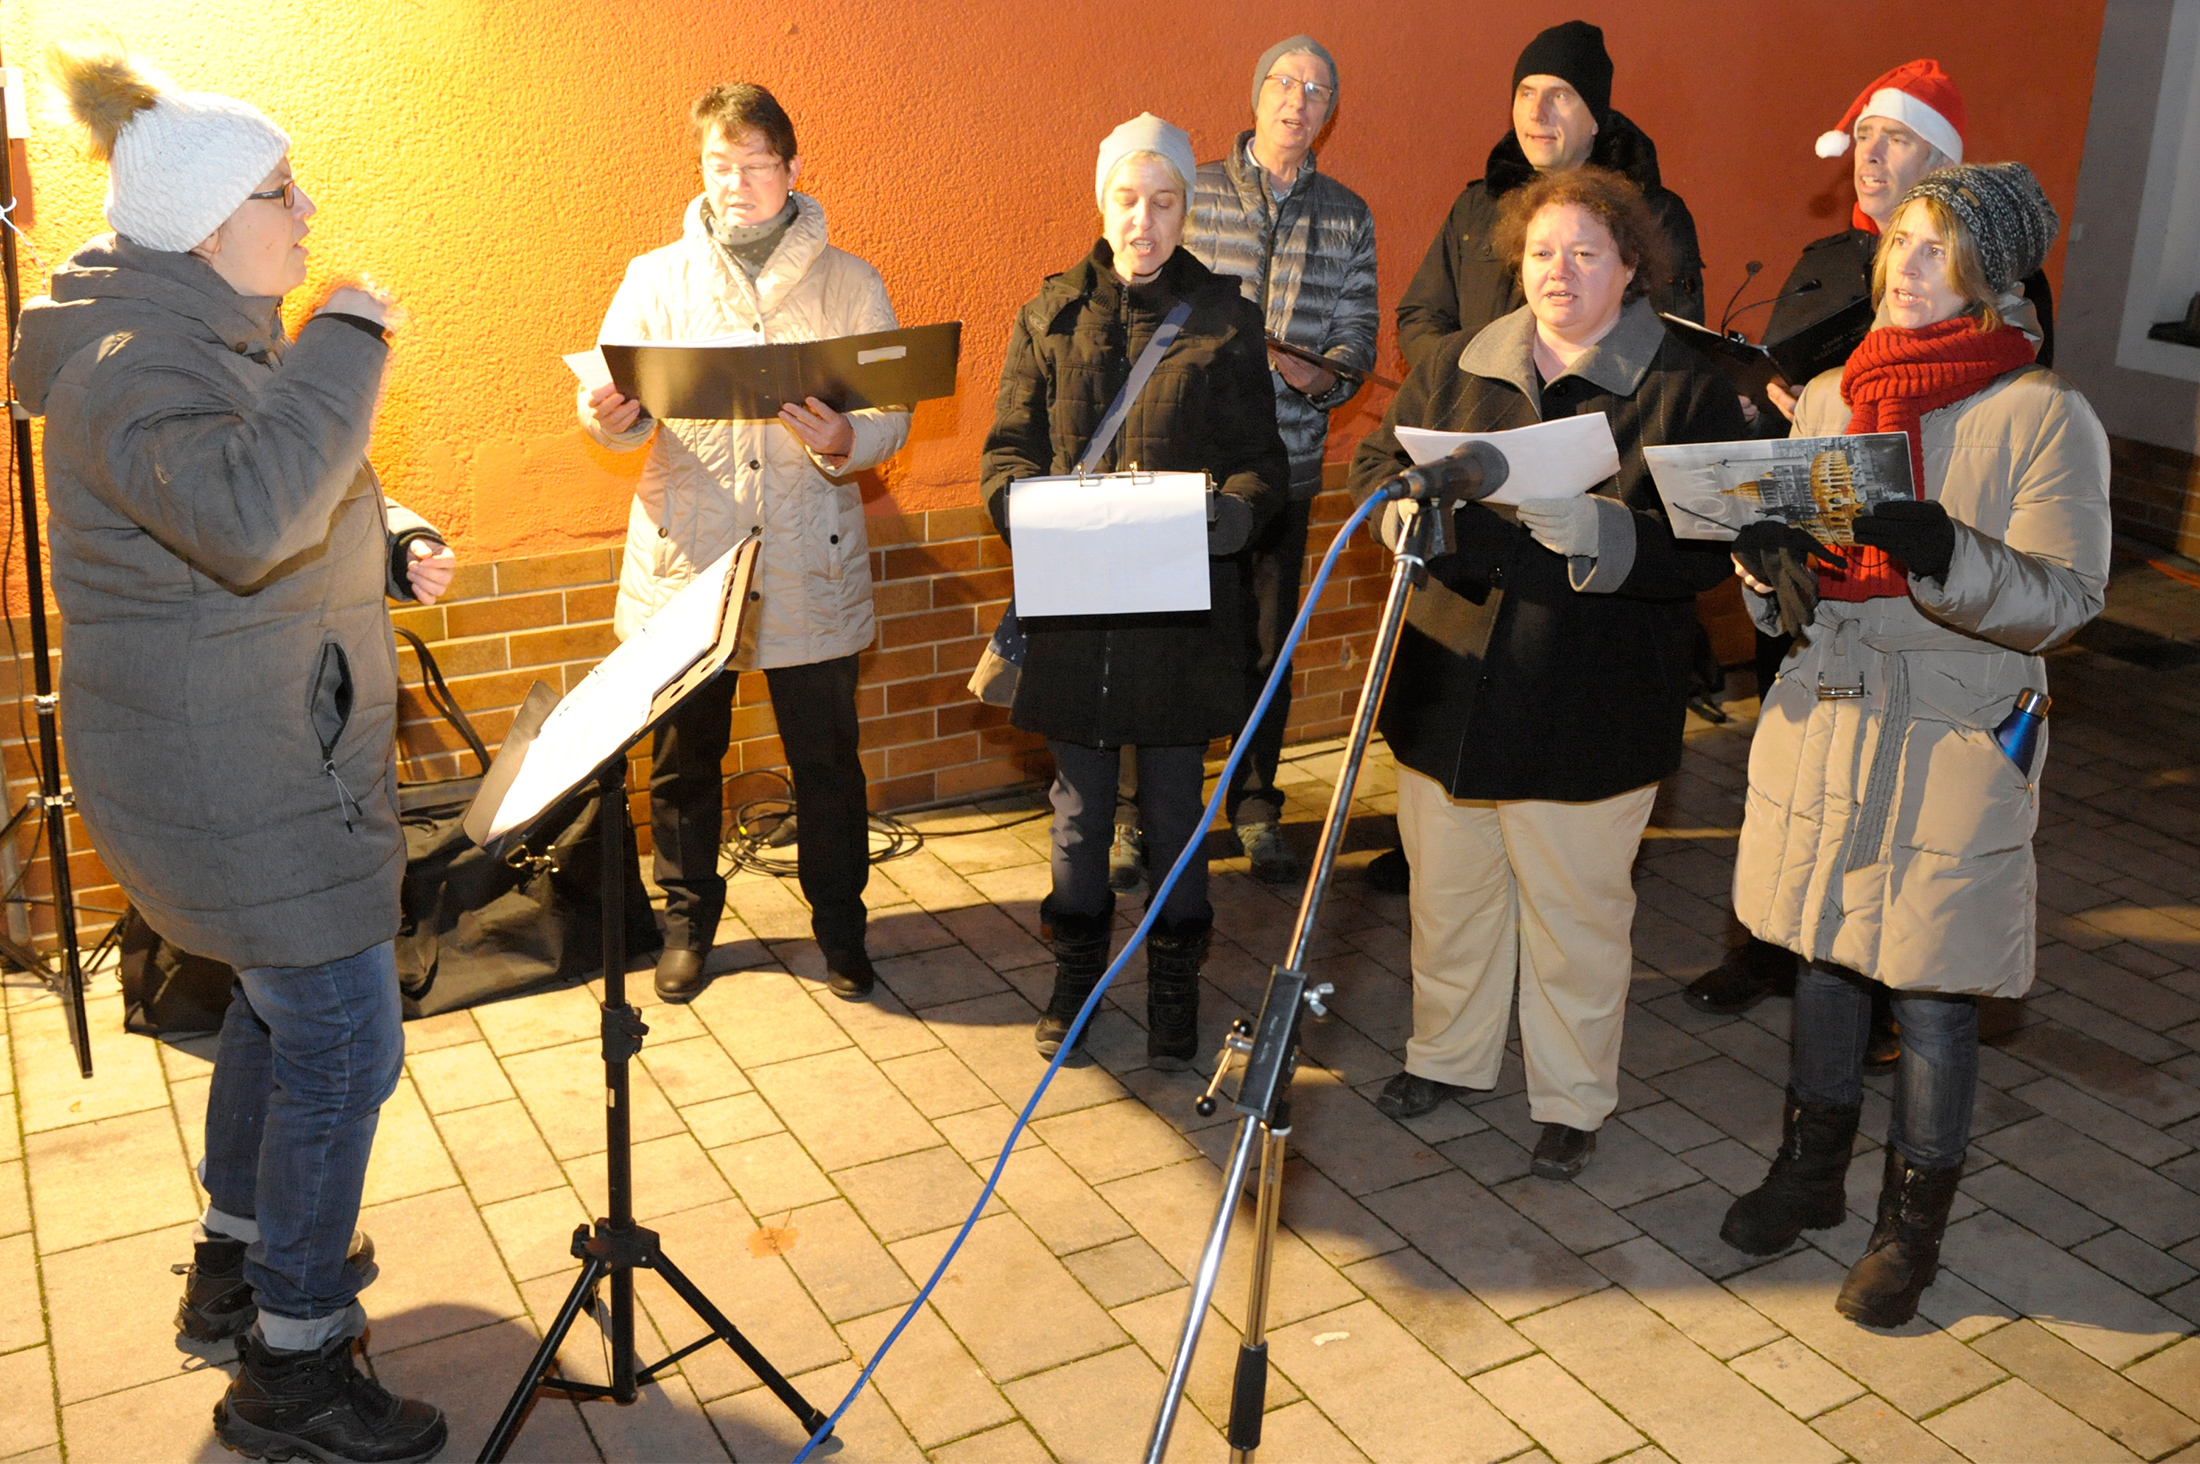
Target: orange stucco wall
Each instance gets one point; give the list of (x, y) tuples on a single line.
[(496, 162)]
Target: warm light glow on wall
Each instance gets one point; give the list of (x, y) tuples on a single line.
[(496, 164)]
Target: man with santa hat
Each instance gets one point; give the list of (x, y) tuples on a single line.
[(1904, 125)]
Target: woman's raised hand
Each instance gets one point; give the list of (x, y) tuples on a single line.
[(609, 411), (363, 299)]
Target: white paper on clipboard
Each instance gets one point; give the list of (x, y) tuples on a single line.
[(1117, 544), (1560, 458)]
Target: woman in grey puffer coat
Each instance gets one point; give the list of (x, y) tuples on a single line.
[(220, 555)]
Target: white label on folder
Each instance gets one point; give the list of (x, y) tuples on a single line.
[(881, 353)]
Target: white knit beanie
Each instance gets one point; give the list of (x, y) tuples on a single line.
[(1145, 133), (184, 164)]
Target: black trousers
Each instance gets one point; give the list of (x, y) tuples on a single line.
[(815, 706), (1278, 560), (1169, 807)]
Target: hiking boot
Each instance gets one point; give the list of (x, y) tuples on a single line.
[(1273, 861), (680, 975), (1080, 960), (848, 973), (1750, 973), (1409, 1095), (1806, 1187), (319, 1405), (1903, 1255), (1389, 874), (217, 1301), (1126, 859), (1174, 955), (1562, 1152)]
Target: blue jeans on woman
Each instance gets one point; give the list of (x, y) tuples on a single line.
[(1935, 1079), (308, 1055)]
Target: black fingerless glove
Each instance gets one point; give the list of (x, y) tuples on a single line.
[(1921, 535), (1786, 558), (1231, 526)]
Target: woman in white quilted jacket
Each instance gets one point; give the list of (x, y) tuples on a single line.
[(752, 257)]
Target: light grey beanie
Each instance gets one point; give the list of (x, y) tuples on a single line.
[(2005, 209), (1145, 133), (1281, 49), (183, 165)]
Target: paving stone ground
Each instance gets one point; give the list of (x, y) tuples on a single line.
[(806, 1161)]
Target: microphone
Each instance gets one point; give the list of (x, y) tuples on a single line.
[(1807, 287), (1749, 272), (1472, 470)]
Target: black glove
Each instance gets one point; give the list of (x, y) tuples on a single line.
[(1782, 556), (1921, 535), (1231, 526)]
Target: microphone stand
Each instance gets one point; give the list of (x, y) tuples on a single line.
[(1269, 1046), (51, 799)]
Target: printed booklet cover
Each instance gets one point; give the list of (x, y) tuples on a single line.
[(1818, 484)]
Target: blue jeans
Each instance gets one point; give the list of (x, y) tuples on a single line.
[(1934, 1082), (308, 1054)]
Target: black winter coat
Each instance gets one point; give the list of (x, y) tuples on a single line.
[(1462, 285), (1582, 692), (1138, 680)]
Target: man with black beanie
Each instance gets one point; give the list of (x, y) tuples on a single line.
[(1562, 118)]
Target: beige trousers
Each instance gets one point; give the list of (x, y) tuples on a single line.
[(1541, 889)]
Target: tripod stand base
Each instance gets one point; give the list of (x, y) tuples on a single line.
[(614, 1252)]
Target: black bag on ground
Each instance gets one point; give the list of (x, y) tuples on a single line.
[(167, 991), (475, 927)]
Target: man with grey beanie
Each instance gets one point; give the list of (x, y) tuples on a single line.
[(1302, 246)]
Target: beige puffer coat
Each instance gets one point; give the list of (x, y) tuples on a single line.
[(1887, 832), (707, 483)]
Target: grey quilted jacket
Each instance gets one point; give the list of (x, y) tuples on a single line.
[(1309, 263), (220, 554)]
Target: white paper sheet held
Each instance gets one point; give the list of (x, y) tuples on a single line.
[(1121, 544), (1560, 458), (588, 368), (612, 703)]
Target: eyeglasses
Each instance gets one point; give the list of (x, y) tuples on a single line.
[(288, 194), (1316, 93), (748, 173)]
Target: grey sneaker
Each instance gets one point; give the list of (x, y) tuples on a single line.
[(1126, 859), (1273, 861)]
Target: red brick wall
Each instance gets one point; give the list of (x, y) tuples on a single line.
[(2154, 493), (942, 579)]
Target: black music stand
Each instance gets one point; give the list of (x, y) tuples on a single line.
[(615, 1247)]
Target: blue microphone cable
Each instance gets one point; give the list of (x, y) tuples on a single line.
[(1192, 850)]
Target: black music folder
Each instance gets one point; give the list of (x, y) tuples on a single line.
[(1747, 366), (891, 368)]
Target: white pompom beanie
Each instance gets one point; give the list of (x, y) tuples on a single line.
[(183, 165)]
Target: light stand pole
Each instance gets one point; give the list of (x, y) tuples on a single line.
[(50, 799), (1270, 1046)]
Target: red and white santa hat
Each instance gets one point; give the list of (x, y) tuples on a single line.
[(1917, 94)]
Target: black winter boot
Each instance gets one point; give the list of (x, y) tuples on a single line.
[(217, 1301), (1080, 960), (1174, 954), (1904, 1254), (1804, 1189), (319, 1405), (1751, 972)]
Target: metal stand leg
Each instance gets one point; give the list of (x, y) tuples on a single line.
[(617, 1247), (1270, 1052)]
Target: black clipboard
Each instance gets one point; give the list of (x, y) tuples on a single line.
[(1823, 345), (1747, 366), (890, 368), (1327, 363)]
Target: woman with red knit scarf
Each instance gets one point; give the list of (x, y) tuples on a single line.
[(1888, 835)]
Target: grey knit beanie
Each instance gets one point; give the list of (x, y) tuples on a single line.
[(2005, 209), (1281, 49), (1144, 133)]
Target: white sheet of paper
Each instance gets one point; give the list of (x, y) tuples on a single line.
[(1561, 458), (588, 368), (1121, 544), (612, 703)]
